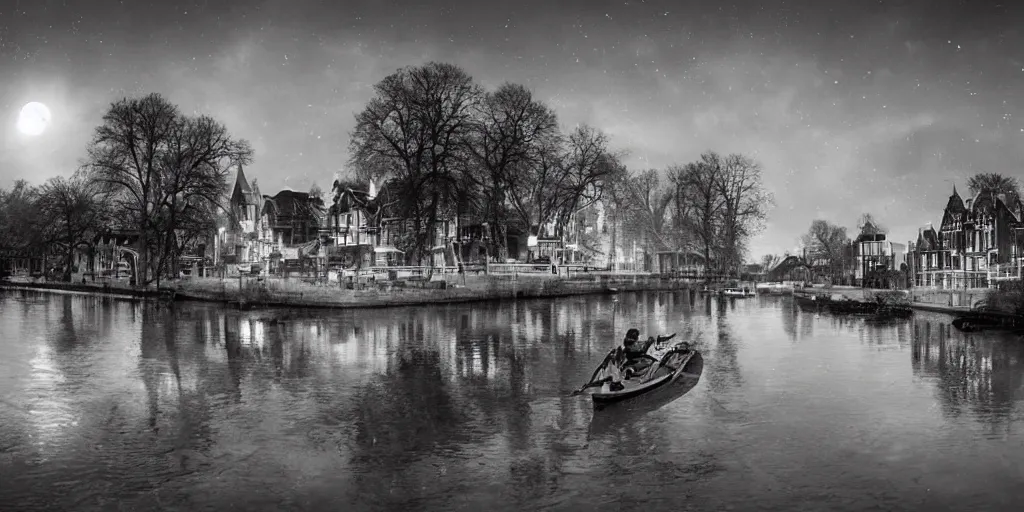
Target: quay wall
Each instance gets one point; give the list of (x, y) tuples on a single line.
[(252, 292)]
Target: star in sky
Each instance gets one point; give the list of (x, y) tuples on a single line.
[(864, 107)]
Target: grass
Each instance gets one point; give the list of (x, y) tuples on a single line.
[(1008, 298)]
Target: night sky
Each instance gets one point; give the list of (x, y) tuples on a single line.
[(873, 106)]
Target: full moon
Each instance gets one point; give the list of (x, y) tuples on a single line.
[(34, 118)]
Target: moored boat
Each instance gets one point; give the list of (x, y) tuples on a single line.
[(737, 292), (840, 304)]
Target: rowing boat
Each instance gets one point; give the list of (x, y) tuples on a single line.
[(660, 365)]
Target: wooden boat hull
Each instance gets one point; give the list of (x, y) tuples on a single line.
[(676, 358)]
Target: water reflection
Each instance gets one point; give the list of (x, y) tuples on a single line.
[(976, 375), (193, 407)]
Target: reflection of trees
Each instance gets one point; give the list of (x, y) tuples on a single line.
[(408, 410), (725, 363), (790, 313), (806, 323), (981, 375)]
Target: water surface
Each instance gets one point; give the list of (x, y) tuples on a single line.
[(117, 405)]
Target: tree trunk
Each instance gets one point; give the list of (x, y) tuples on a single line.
[(613, 250), (141, 260)]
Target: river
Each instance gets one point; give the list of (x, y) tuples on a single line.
[(116, 405)]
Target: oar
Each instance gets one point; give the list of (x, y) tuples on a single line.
[(594, 376)]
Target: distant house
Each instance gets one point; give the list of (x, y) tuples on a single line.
[(295, 217), (239, 241), (112, 255), (927, 257), (875, 254), (357, 235), (21, 261)]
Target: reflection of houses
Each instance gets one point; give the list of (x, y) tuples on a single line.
[(976, 245)]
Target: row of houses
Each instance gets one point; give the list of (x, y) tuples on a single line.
[(870, 260), (978, 244), (296, 231)]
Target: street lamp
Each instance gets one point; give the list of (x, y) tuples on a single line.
[(216, 249)]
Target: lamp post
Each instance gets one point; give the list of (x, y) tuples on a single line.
[(216, 250)]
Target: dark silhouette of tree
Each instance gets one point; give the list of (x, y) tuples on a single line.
[(413, 132), (73, 209), (997, 184), (21, 228), (510, 129), (159, 166)]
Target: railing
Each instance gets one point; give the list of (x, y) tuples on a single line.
[(1003, 272), (512, 269)]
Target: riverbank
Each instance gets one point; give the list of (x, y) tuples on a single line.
[(295, 293), (942, 301)]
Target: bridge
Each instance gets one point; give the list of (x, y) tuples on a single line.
[(791, 268)]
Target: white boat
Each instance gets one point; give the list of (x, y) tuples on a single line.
[(736, 292)]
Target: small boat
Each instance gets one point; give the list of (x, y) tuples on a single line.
[(666, 364), (737, 292)]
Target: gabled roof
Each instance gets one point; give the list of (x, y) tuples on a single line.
[(927, 240)]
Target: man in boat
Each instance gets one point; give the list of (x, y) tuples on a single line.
[(634, 350)]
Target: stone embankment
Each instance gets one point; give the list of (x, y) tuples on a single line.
[(293, 292)]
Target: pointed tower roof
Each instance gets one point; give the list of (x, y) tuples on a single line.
[(241, 182)]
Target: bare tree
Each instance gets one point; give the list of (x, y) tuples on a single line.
[(510, 129), (769, 261), (868, 225), (413, 131), (825, 243), (745, 204), (699, 185), (125, 156), (568, 174), (651, 200), (586, 164), (193, 180), (158, 165), (74, 209)]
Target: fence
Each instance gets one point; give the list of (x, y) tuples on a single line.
[(954, 298)]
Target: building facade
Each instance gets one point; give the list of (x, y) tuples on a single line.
[(977, 245), (875, 255)]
